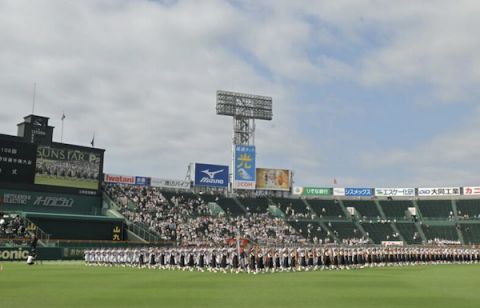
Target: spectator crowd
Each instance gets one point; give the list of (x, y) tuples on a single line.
[(188, 219)]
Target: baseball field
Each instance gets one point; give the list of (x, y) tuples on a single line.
[(71, 284)]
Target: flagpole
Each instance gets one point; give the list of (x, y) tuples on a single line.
[(34, 94), (63, 119)]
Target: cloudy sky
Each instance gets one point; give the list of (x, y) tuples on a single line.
[(373, 93)]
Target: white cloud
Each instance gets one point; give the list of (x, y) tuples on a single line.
[(143, 75)]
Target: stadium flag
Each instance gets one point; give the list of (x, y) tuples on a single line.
[(93, 140), (335, 181), (63, 116)]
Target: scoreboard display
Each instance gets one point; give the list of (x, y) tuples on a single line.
[(67, 167), (57, 167), (17, 162)]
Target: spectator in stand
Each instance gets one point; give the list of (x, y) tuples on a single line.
[(187, 219)]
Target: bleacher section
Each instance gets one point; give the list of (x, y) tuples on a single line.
[(230, 207), (302, 214), (365, 208), (471, 233), (397, 209), (379, 232), (409, 232), (435, 208), (255, 205), (433, 233), (468, 209), (311, 230), (292, 207), (344, 230), (326, 208)]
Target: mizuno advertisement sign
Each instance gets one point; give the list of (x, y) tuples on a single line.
[(211, 175)]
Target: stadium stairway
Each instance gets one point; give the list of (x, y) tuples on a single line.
[(354, 220), (455, 213), (231, 206), (321, 221), (43, 237), (135, 231)]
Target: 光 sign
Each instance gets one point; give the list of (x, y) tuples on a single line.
[(211, 175), (245, 169)]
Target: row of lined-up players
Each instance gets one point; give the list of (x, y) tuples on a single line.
[(277, 259)]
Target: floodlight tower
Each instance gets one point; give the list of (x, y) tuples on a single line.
[(244, 108)]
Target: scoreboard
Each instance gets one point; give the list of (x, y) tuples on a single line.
[(17, 162), (56, 167)]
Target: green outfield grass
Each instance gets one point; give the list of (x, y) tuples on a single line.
[(74, 285), (66, 182)]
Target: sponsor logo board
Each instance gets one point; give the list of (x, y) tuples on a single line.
[(395, 192), (142, 181), (244, 169), (358, 192), (338, 191), (273, 179), (211, 175), (312, 191), (471, 190), (439, 191), (171, 184), (119, 179)]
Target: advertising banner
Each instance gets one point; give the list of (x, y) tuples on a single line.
[(273, 179), (67, 167), (142, 181), (30, 201), (17, 162), (439, 191), (358, 192), (170, 184), (313, 191), (245, 169), (211, 175), (337, 191), (119, 179), (395, 192), (471, 191)]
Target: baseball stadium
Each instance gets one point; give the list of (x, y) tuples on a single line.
[(224, 235), (238, 150)]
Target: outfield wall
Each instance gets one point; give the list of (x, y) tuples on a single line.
[(80, 227), (43, 253), (47, 202)]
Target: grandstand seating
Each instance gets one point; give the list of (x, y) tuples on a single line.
[(468, 209), (326, 208), (409, 232), (230, 207), (396, 209), (435, 232), (471, 233), (311, 230), (379, 232), (292, 207), (437, 218), (11, 226), (208, 198), (344, 230), (435, 208), (366, 208), (255, 205)]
